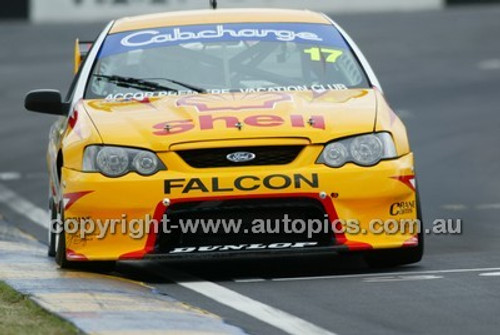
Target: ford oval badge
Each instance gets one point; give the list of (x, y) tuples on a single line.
[(241, 157)]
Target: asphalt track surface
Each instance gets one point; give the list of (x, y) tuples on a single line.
[(441, 72)]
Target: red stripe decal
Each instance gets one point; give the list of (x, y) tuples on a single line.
[(411, 242), (153, 233), (407, 180), (358, 246), (73, 256), (71, 198)]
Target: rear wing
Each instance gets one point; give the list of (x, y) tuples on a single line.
[(81, 51)]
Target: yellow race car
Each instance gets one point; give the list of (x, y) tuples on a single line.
[(227, 133)]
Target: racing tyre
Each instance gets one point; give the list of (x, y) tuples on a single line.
[(396, 257), (52, 235), (60, 243)]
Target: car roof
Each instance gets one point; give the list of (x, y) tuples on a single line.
[(195, 17)]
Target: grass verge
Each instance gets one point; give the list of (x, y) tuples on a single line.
[(20, 315)]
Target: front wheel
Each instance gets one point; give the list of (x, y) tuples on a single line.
[(60, 242), (52, 230)]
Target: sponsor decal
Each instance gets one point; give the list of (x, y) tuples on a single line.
[(403, 207), (317, 88), (209, 122), (243, 247), (308, 33), (139, 96), (185, 34), (245, 183)]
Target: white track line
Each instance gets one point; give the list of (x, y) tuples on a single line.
[(454, 207), (390, 279), (488, 206), (370, 275), (490, 274), (256, 309), (489, 64), (249, 280), (8, 176), (24, 207)]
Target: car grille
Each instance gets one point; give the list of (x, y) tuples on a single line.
[(268, 155), (247, 211)]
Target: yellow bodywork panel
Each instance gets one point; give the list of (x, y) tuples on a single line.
[(353, 193)]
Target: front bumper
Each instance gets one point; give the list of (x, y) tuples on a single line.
[(381, 192)]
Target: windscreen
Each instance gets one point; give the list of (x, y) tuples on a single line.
[(248, 58)]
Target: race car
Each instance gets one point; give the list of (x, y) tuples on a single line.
[(227, 133)]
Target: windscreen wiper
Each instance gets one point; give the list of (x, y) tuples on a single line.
[(186, 85), (141, 84)]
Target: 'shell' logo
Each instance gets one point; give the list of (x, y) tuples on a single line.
[(209, 122), (204, 104)]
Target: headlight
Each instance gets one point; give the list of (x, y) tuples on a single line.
[(112, 161), (335, 154), (146, 163), (118, 161), (364, 150)]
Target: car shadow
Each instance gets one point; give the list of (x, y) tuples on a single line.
[(220, 270)]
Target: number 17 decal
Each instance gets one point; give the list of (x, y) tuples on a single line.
[(316, 53)]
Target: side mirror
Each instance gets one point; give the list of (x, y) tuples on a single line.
[(45, 101)]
